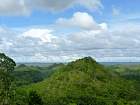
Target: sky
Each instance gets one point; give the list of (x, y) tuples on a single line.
[(65, 30)]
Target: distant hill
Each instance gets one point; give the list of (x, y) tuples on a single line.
[(40, 64), (85, 82), (27, 74), (120, 63)]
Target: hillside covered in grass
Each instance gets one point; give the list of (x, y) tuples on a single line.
[(85, 82)]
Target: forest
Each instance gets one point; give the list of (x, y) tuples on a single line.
[(80, 82)]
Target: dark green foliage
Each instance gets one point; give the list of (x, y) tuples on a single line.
[(30, 98), (6, 80), (6, 64), (130, 72), (34, 98), (26, 75)]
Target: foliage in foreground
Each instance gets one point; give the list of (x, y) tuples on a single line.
[(6, 81)]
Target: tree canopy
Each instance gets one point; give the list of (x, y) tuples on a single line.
[(6, 67), (6, 64)]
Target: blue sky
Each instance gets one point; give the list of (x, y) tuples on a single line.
[(46, 17), (61, 31)]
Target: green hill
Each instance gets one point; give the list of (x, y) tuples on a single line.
[(86, 82), (26, 75)]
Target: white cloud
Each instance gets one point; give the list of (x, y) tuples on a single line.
[(13, 7), (91, 39), (58, 5), (46, 45), (25, 7), (81, 20), (43, 34)]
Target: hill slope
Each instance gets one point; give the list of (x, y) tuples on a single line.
[(85, 82)]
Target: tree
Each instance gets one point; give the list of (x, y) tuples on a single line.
[(6, 67), (34, 98), (6, 64)]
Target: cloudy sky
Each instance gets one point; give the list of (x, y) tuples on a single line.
[(64, 30)]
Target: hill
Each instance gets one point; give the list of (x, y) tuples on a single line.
[(85, 82), (25, 74)]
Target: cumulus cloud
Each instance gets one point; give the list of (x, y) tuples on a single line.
[(81, 20), (42, 34), (25, 7), (45, 45)]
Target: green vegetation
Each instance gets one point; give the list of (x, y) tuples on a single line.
[(34, 99), (6, 92), (26, 75), (81, 82), (131, 72), (85, 82)]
